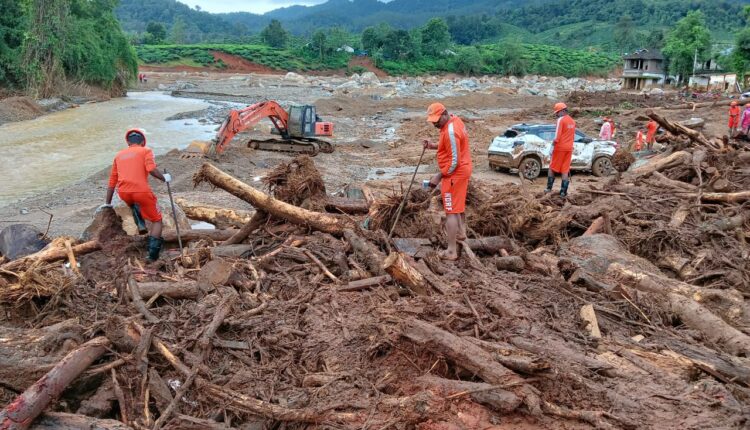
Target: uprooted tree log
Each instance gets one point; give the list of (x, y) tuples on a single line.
[(213, 235), (22, 411), (63, 421), (401, 270), (328, 223), (221, 217), (678, 129), (52, 253), (678, 158)]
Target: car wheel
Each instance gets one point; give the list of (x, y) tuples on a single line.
[(602, 167), (530, 167)]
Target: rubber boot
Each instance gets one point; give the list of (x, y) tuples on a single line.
[(154, 248), (140, 223), (564, 189), (550, 183)]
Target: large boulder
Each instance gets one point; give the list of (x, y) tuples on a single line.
[(106, 225), (19, 240), (369, 78)]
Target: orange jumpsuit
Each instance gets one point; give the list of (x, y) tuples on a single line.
[(562, 152), (639, 140), (734, 117), (651, 128), (129, 175), (454, 161)]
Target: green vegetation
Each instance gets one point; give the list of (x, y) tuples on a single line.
[(44, 43), (274, 35), (688, 39), (294, 59)]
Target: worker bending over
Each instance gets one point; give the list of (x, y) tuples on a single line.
[(562, 149), (130, 171), (454, 161), (734, 118)]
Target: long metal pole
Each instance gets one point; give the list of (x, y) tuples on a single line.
[(406, 196), (174, 215)]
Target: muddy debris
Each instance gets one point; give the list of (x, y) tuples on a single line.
[(319, 321)]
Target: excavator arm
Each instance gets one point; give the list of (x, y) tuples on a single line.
[(240, 120)]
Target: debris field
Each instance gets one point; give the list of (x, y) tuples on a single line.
[(621, 307)]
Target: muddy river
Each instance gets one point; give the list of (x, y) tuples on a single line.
[(61, 148)]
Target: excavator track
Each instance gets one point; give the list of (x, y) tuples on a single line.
[(310, 147)]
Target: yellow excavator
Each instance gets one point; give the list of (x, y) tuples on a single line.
[(299, 130)]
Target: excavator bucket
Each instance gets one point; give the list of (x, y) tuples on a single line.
[(197, 149)]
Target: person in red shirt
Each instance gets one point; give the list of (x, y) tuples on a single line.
[(639, 140), (651, 127), (130, 171), (562, 149), (454, 161), (734, 118)]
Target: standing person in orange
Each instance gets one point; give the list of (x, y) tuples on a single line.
[(454, 161), (129, 175), (651, 127), (606, 131), (562, 149), (734, 118), (639, 140)]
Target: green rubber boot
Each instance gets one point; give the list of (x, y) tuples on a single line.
[(550, 184), (564, 189), (140, 223), (154, 248)]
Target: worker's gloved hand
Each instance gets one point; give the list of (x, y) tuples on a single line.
[(102, 207), (167, 178)]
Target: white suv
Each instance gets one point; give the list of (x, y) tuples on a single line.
[(527, 147)]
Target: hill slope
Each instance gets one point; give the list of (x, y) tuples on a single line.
[(569, 23)]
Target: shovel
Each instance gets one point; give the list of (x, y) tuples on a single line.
[(174, 215), (406, 196)]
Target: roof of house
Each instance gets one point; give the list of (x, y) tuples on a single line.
[(644, 54)]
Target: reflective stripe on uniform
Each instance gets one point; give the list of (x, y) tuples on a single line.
[(454, 149)]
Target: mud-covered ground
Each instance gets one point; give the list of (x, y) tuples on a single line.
[(378, 134)]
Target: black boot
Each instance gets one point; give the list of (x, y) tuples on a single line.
[(140, 223), (550, 183), (154, 248), (564, 188)]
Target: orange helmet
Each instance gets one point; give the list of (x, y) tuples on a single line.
[(135, 136), (434, 112), (560, 106), (733, 104)]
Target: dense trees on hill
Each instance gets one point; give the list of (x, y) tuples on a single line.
[(44, 43), (689, 39)]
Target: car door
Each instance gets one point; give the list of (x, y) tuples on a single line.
[(582, 152), (547, 135)]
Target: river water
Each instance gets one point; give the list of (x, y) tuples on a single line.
[(59, 149)]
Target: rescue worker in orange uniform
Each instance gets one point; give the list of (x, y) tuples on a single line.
[(639, 138), (130, 171), (562, 149), (734, 118), (454, 161), (651, 128)]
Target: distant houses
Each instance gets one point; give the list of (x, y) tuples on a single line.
[(643, 69)]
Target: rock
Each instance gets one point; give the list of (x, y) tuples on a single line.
[(551, 94), (348, 85), (656, 92), (369, 78), (468, 84), (291, 76), (166, 213), (105, 225), (162, 87), (19, 240), (528, 91)]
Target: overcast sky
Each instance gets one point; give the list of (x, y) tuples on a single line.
[(255, 6)]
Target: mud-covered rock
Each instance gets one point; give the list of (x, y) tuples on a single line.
[(19, 240)]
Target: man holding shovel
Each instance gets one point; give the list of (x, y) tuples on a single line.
[(129, 175), (454, 161)]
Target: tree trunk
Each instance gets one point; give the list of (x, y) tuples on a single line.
[(327, 223), (186, 236), (19, 414), (173, 290), (660, 180), (491, 245), (511, 263), (738, 197), (347, 206), (63, 421), (400, 269), (500, 400), (679, 129), (470, 357), (367, 253), (220, 217), (27, 354), (678, 158), (51, 254), (258, 219)]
